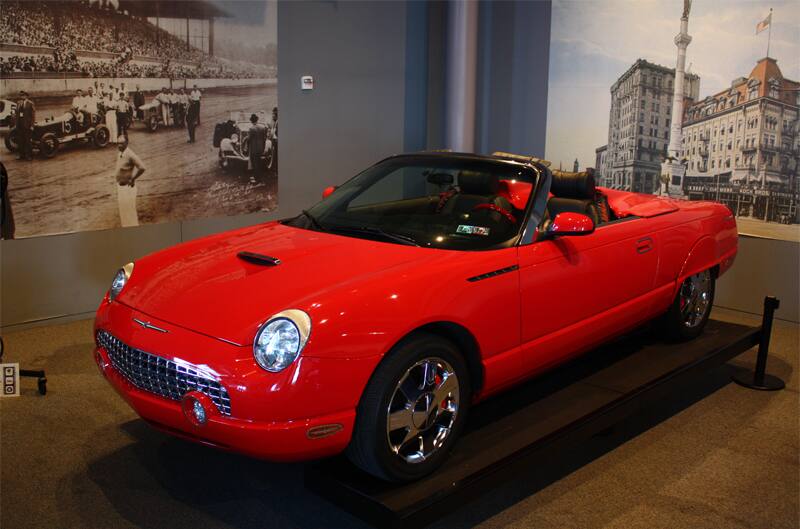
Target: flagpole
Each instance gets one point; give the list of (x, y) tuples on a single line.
[(769, 33)]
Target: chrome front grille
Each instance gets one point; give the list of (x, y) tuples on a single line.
[(158, 375)]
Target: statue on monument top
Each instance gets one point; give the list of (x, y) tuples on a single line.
[(687, 6)]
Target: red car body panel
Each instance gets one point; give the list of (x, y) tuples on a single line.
[(567, 295)]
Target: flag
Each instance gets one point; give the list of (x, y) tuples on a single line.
[(764, 24)]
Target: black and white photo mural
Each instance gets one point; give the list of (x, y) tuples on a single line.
[(733, 133), (116, 113)]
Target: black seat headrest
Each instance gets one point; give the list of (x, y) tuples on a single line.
[(474, 183), (573, 185)]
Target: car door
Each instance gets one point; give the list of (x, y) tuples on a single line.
[(576, 291)]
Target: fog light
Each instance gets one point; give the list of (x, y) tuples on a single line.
[(194, 409), (199, 412)]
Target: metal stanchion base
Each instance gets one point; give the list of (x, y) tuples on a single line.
[(768, 383)]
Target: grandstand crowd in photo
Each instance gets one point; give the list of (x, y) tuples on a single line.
[(95, 39)]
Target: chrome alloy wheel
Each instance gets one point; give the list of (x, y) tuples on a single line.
[(422, 410), (695, 296)]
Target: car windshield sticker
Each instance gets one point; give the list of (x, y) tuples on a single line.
[(472, 230)]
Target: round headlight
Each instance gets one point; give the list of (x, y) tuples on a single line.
[(279, 341), (234, 138), (123, 274)]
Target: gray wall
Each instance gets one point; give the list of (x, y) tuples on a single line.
[(513, 64), (763, 267), (356, 52)]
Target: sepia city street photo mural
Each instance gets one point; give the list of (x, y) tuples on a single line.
[(731, 135), (117, 113)]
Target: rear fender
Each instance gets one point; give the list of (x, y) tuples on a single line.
[(702, 256)]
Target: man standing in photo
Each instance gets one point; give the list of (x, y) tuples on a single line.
[(129, 168), (90, 103), (163, 100), (191, 121), (138, 101), (77, 101), (26, 118), (256, 139), (123, 109), (194, 99)]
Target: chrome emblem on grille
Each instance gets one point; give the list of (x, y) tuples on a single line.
[(148, 325)]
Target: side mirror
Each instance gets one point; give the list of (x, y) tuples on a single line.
[(568, 223), (327, 192)]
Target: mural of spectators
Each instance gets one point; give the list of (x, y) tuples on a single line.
[(70, 28)]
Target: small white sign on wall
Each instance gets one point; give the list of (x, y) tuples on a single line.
[(306, 82), (10, 373)]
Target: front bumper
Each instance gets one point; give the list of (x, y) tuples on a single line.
[(271, 413)]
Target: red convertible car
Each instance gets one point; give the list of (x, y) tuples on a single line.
[(371, 322)]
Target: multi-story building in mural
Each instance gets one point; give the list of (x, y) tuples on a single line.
[(638, 126), (600, 162), (742, 146)]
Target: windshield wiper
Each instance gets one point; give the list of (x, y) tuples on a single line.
[(374, 230), (314, 222)]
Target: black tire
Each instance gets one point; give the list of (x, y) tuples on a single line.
[(101, 136), (11, 141), (675, 323), (48, 145), (369, 447), (222, 162), (271, 159), (152, 124)]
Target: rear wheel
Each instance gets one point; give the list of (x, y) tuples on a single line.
[(12, 140), (101, 136), (48, 145), (271, 158), (691, 308), (222, 161), (412, 410)]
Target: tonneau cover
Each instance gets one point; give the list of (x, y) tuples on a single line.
[(626, 204)]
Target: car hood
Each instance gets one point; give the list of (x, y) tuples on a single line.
[(203, 286)]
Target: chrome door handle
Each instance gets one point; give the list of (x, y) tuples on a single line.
[(644, 245)]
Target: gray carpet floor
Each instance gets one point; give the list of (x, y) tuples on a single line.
[(715, 456)]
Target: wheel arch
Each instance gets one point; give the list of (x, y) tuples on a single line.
[(702, 256), (464, 340)]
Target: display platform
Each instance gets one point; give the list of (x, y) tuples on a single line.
[(507, 435)]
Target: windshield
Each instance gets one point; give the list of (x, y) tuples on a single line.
[(450, 202)]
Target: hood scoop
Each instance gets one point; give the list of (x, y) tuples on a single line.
[(258, 259)]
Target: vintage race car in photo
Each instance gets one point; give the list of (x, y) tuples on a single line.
[(70, 127), (371, 322), (233, 142), (153, 118), (8, 110)]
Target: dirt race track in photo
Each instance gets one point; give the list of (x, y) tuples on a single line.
[(76, 189)]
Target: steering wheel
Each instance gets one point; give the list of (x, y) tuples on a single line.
[(504, 213)]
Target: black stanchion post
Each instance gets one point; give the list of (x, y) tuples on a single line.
[(760, 380)]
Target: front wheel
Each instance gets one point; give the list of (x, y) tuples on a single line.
[(412, 410), (152, 124), (691, 308)]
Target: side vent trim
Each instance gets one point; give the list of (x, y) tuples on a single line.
[(493, 273)]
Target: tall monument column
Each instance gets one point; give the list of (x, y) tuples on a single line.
[(672, 170)]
